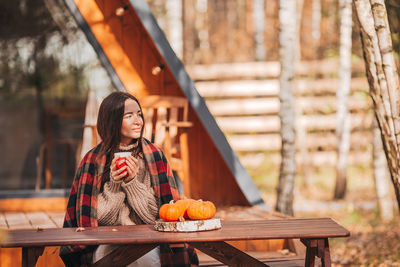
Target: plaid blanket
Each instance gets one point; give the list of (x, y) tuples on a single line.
[(82, 205)]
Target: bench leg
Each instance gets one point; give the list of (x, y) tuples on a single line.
[(31, 255), (311, 251), (227, 254), (124, 255), (317, 247), (324, 253)]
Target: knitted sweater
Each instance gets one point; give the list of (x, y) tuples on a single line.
[(83, 203), (129, 203)]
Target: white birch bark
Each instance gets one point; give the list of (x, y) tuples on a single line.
[(388, 63), (383, 79), (342, 95), (381, 175), (287, 41), (175, 28), (259, 27)]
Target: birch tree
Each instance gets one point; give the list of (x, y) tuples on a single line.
[(383, 79), (342, 95), (259, 20), (287, 41), (175, 28)]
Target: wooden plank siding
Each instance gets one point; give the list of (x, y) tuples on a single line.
[(243, 97), (265, 70)]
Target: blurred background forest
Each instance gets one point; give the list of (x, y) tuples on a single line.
[(231, 50)]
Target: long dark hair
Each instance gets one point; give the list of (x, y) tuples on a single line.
[(109, 123)]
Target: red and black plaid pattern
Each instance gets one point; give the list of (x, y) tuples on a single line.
[(82, 205)]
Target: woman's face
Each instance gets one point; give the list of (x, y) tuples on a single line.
[(132, 122)]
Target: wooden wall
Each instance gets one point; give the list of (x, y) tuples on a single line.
[(243, 97)]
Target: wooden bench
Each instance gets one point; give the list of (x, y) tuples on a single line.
[(137, 240), (273, 259)]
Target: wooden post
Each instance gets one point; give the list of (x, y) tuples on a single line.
[(31, 255)]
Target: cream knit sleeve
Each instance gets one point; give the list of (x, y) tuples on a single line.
[(110, 202), (142, 200)]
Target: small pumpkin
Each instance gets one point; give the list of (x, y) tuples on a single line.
[(201, 210), (170, 212), (185, 203)]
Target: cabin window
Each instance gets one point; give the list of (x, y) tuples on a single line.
[(47, 68)]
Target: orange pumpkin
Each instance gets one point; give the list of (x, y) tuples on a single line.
[(201, 210), (170, 212), (185, 203)]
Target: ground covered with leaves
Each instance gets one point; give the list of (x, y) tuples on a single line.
[(373, 242)]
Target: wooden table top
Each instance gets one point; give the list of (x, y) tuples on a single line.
[(145, 234)]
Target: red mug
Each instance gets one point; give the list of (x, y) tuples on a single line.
[(121, 159)]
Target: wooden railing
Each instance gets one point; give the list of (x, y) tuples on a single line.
[(243, 97)]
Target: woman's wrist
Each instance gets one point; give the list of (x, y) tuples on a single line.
[(114, 185), (128, 179)]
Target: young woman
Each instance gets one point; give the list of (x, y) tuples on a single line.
[(102, 194)]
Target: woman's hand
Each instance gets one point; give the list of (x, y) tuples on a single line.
[(127, 172), (118, 174), (133, 168)]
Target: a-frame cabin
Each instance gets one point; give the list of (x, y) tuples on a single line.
[(130, 44)]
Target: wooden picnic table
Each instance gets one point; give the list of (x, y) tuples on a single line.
[(137, 240)]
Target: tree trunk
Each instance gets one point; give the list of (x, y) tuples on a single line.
[(342, 94), (301, 131), (174, 20), (259, 20), (316, 20), (381, 175), (287, 41), (383, 79), (188, 46), (201, 24), (299, 15)]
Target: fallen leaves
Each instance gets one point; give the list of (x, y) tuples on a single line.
[(372, 243)]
